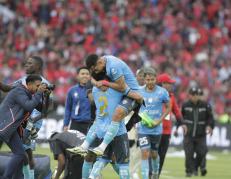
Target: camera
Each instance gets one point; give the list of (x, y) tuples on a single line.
[(51, 87)]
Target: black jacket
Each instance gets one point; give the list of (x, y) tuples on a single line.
[(197, 117), (18, 102)]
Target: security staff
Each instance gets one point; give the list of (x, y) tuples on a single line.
[(198, 117)]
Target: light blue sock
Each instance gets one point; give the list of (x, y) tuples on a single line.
[(31, 173), (110, 134), (86, 169), (91, 135), (97, 167), (115, 167), (124, 171), (156, 164), (26, 171), (144, 169)]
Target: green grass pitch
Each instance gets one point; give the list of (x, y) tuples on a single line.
[(218, 168)]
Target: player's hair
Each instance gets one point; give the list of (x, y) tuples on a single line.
[(100, 76), (81, 68), (32, 78), (38, 60), (149, 71), (91, 60), (140, 71)]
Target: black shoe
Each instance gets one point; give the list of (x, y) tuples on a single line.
[(203, 172), (195, 173), (189, 174)]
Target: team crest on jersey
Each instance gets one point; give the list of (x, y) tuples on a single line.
[(113, 71), (75, 95)]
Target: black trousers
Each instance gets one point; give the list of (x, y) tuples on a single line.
[(194, 145), (163, 148), (81, 126)]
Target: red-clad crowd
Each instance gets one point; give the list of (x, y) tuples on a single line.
[(189, 39)]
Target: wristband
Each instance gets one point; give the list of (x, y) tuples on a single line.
[(105, 83)]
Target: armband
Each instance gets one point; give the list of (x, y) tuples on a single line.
[(105, 83), (126, 91)]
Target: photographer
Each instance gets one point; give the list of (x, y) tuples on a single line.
[(33, 65), (15, 109)]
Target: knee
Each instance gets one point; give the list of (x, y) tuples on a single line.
[(154, 154), (145, 154), (119, 114)]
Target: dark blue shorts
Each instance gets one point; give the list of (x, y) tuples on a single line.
[(118, 149), (128, 104), (147, 141)]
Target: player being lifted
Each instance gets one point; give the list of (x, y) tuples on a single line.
[(106, 100), (123, 80)]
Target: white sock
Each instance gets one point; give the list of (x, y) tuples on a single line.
[(85, 145)]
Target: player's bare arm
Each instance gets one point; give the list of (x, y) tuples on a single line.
[(5, 88)]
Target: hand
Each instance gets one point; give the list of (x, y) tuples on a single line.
[(65, 128), (42, 88), (185, 129), (209, 130)]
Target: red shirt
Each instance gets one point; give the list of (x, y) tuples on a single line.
[(167, 123)]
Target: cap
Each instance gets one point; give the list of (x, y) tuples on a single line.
[(164, 78), (193, 91), (149, 70)]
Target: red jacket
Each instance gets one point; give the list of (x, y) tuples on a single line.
[(167, 122)]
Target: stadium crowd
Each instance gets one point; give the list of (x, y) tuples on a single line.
[(189, 39)]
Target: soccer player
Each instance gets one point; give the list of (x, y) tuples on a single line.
[(150, 127), (122, 80), (106, 100)]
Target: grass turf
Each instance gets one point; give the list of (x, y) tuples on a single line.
[(218, 168)]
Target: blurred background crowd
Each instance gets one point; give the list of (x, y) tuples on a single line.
[(189, 39)]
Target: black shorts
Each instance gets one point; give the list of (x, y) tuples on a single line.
[(128, 104), (119, 147)]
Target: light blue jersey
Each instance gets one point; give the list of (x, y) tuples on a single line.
[(116, 68), (106, 103), (154, 106)]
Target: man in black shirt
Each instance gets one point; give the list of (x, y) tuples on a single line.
[(198, 118), (59, 142)]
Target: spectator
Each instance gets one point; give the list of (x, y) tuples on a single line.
[(190, 39)]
